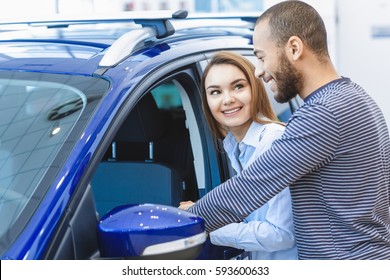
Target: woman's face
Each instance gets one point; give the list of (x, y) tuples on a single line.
[(229, 98)]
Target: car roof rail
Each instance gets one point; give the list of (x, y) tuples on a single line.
[(244, 16), (159, 28), (52, 21), (155, 24), (125, 44)]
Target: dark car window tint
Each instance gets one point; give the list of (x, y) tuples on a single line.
[(35, 119), (37, 114)]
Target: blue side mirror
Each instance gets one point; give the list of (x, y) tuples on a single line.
[(150, 231)]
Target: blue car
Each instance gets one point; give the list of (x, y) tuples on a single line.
[(102, 135)]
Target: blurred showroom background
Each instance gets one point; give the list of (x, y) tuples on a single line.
[(358, 30)]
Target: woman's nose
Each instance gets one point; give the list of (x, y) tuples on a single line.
[(228, 99)]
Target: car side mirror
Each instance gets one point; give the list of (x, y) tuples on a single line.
[(150, 231)]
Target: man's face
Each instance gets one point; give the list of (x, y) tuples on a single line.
[(273, 66)]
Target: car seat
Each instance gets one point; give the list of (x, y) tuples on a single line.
[(117, 182)]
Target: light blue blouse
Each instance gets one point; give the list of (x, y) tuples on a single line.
[(267, 232)]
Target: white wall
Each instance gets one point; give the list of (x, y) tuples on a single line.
[(363, 58), (19, 9)]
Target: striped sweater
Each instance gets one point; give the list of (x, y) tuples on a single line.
[(335, 156)]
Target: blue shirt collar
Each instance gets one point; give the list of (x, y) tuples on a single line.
[(251, 138)]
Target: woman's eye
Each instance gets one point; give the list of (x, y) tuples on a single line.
[(238, 86), (214, 92)]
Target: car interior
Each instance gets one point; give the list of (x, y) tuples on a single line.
[(150, 159)]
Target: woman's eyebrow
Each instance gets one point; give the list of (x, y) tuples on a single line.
[(212, 86), (231, 83), (238, 80)]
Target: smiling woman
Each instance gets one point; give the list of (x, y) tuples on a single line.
[(239, 113)]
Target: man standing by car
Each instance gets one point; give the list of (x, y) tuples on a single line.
[(334, 154)]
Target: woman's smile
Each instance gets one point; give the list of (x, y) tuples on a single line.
[(230, 112)]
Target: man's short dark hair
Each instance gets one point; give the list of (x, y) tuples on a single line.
[(297, 18)]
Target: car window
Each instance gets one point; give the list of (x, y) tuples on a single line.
[(174, 99), (37, 114), (167, 97)]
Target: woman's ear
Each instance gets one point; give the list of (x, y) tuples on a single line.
[(294, 48)]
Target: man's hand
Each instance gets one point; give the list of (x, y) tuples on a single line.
[(184, 205)]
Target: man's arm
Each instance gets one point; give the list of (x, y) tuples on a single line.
[(310, 140)]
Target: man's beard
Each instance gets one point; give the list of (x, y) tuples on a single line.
[(288, 80)]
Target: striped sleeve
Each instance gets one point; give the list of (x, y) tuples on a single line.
[(310, 141)]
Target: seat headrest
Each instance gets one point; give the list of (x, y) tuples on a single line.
[(145, 122)]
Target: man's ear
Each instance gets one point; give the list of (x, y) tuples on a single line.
[(294, 48)]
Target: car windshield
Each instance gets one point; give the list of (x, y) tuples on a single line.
[(38, 113)]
